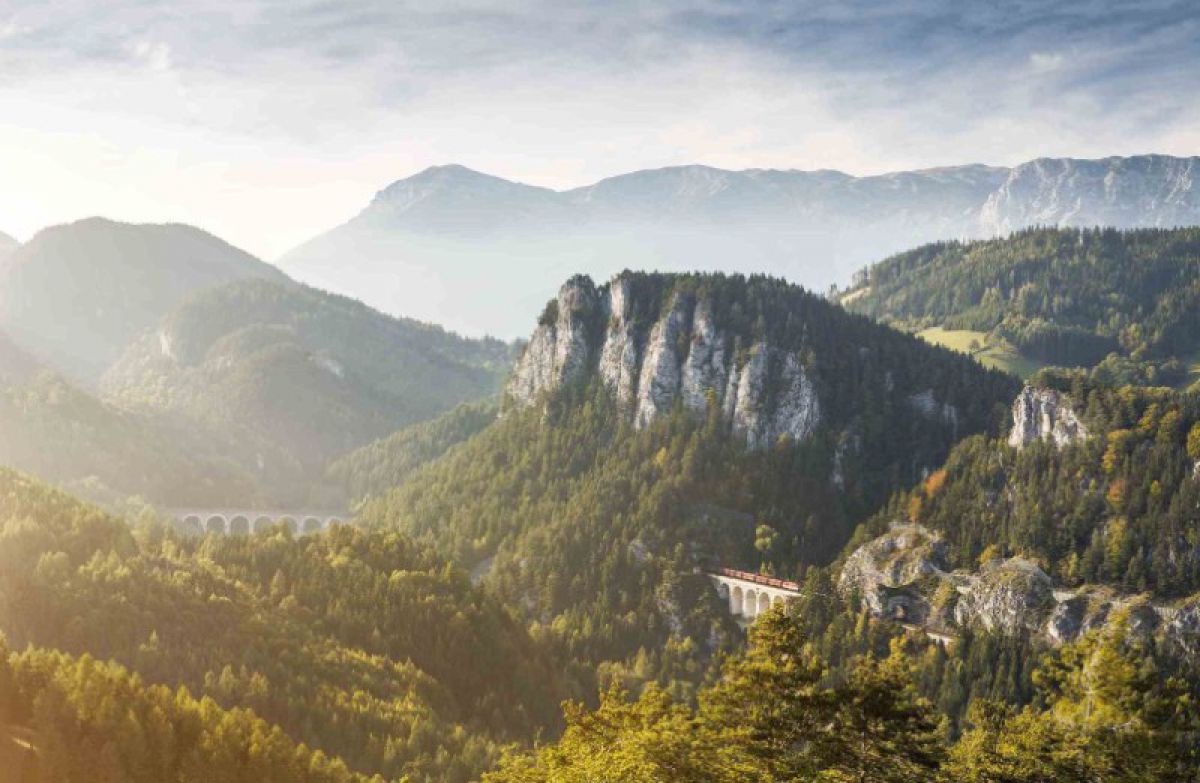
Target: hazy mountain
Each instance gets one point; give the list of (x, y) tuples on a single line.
[(16, 366), (291, 370), (76, 295), (62, 434), (1148, 191), (476, 252), (7, 245)]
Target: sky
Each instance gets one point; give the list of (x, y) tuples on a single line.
[(269, 121)]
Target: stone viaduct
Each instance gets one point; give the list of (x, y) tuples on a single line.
[(238, 521), (749, 595)]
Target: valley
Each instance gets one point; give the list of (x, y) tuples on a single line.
[(301, 539)]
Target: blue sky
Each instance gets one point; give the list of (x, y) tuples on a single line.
[(267, 121)]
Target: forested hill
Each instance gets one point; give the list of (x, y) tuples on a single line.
[(289, 370), (1058, 296), (1099, 487), (592, 506), (75, 295), (359, 644)]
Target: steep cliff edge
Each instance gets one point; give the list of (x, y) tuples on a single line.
[(657, 341), (1044, 414)]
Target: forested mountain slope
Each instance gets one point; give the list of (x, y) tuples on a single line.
[(360, 644), (1059, 296), (1086, 513), (289, 370), (608, 483), (1104, 710), (75, 719), (53, 429), (76, 295), (388, 462)]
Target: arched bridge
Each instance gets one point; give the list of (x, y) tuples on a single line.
[(240, 521), (749, 595)]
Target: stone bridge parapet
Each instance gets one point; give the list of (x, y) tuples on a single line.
[(749, 594), (242, 521)]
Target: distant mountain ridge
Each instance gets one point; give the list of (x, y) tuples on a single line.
[(75, 295), (425, 240)]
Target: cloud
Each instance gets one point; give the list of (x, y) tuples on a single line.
[(1045, 62), (154, 56), (269, 119)]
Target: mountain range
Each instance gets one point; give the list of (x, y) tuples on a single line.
[(476, 252), (160, 361)]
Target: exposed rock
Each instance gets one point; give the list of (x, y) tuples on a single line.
[(685, 357), (884, 572), (661, 372), (902, 575), (619, 358), (1009, 596), (558, 352), (927, 405), (706, 370), (1182, 627), (1044, 413)]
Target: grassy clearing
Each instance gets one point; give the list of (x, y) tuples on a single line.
[(997, 355)]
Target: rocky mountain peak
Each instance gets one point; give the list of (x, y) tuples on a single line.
[(1145, 190), (653, 355), (1041, 414)]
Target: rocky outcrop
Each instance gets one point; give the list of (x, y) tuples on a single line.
[(1040, 414), (902, 575), (1007, 595), (887, 573), (558, 352), (926, 403), (681, 356)]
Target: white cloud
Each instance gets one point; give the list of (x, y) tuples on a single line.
[(1045, 62), (268, 120), (155, 56)]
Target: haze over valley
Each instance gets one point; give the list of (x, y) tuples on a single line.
[(814, 398)]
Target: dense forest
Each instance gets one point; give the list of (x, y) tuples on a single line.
[(77, 719), (52, 428), (1119, 507), (359, 644), (512, 554), (1067, 297), (597, 529), (1101, 712), (387, 462)]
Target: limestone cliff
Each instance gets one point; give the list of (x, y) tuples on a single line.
[(653, 360), (1040, 414), (903, 575)]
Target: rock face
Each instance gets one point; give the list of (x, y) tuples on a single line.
[(1147, 190), (902, 575), (681, 356), (1040, 414)]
